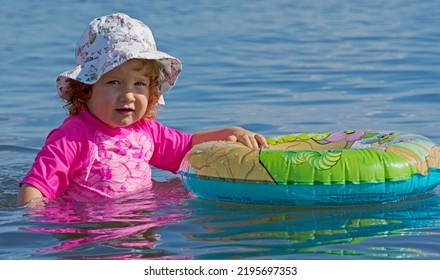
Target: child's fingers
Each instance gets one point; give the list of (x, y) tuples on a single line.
[(250, 140), (261, 141)]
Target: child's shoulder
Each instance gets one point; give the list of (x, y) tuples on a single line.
[(75, 123), (150, 125), (72, 127)]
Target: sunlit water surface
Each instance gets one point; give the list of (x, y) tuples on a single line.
[(270, 66)]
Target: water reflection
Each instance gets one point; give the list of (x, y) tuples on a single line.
[(315, 232), (104, 230), (161, 226)]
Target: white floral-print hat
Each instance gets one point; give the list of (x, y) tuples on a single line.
[(111, 40)]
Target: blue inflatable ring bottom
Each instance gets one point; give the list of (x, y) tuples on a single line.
[(304, 195)]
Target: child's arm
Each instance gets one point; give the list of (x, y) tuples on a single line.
[(27, 194), (234, 134)]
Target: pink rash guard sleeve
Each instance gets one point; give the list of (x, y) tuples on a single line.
[(170, 146), (51, 170)]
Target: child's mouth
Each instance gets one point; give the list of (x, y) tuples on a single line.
[(124, 111)]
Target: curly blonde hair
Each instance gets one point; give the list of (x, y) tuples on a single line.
[(77, 94)]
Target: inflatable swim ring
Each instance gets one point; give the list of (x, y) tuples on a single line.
[(333, 168)]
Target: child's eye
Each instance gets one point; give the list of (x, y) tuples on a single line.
[(113, 82), (141, 84)]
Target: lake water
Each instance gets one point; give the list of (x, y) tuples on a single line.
[(274, 67)]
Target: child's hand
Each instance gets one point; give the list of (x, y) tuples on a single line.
[(234, 133), (248, 138)]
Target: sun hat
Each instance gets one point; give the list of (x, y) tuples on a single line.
[(108, 42)]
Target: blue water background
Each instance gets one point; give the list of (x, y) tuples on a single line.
[(270, 66)]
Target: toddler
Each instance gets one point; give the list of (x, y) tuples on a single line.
[(104, 148)]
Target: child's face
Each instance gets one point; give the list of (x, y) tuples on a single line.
[(120, 97)]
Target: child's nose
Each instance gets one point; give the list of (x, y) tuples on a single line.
[(127, 95)]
